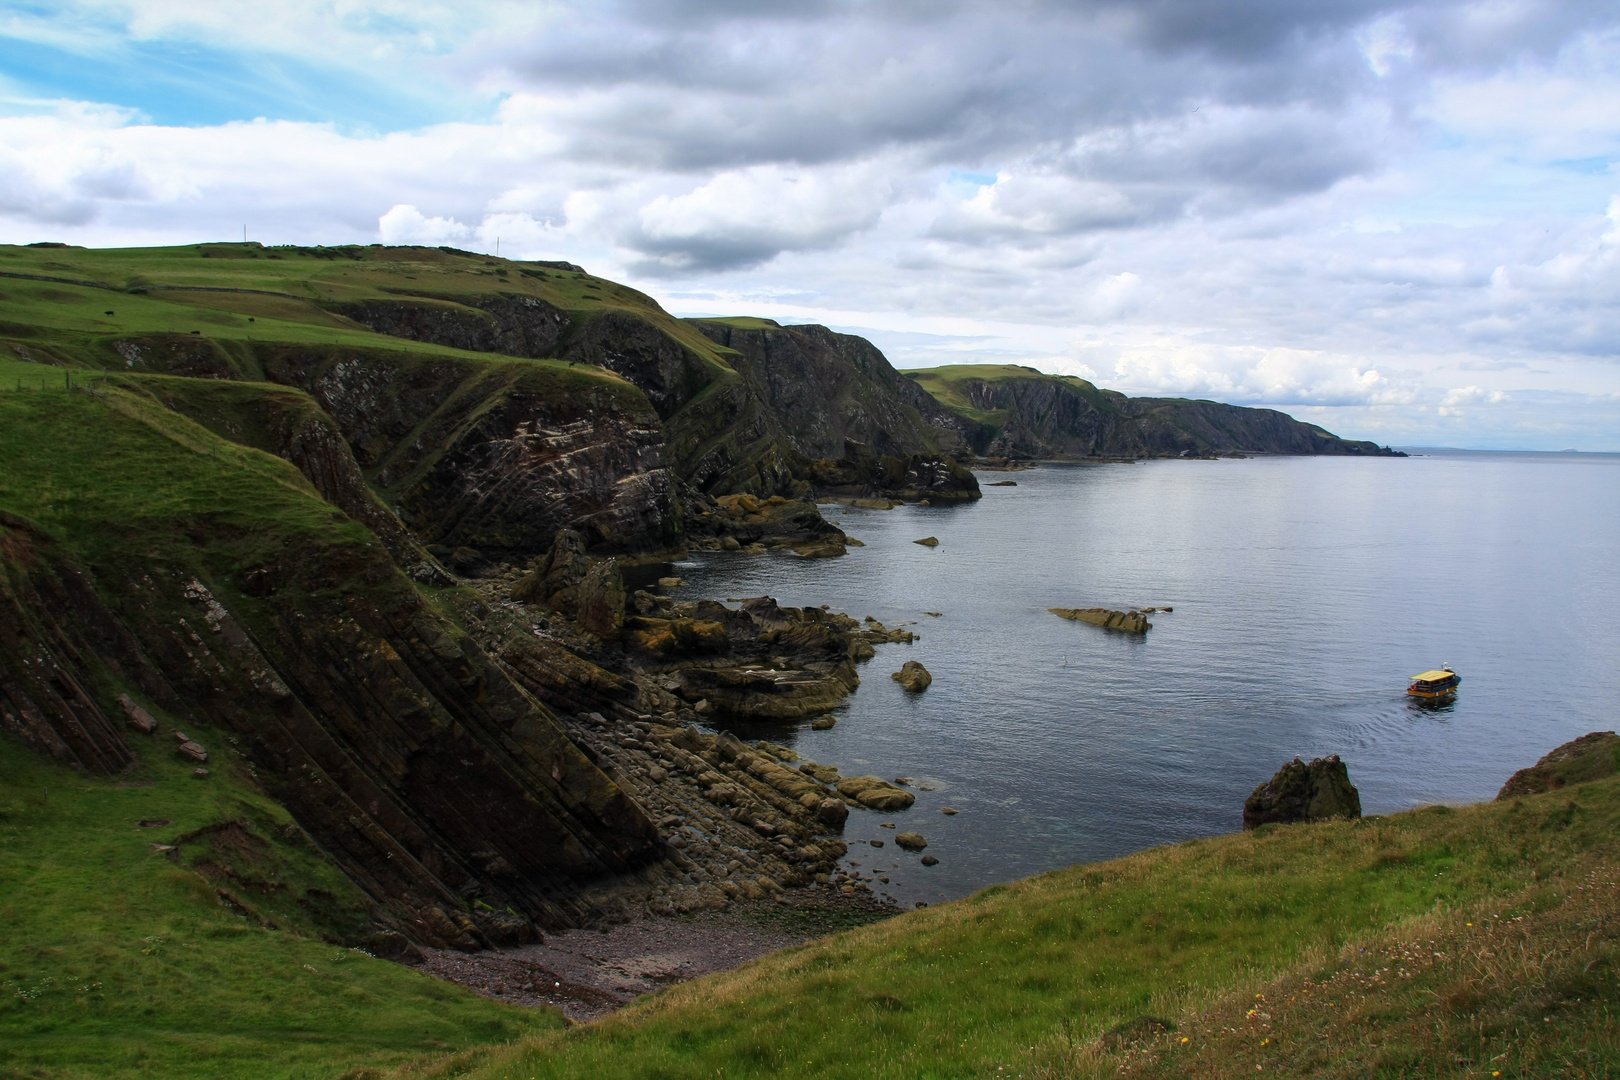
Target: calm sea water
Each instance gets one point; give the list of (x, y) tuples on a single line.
[(1305, 591)]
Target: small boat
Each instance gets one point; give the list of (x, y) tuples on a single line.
[(1435, 684)]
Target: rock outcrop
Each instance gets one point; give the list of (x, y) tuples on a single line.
[(733, 522), (1319, 791), (496, 459), (877, 794), (1131, 622), (1590, 757), (913, 676)]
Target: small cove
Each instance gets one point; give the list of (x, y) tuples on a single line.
[(1305, 591)]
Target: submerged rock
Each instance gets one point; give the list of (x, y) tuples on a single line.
[(1132, 622), (819, 549), (1319, 791), (913, 676)]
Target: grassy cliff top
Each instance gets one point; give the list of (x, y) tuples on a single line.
[(949, 385), (69, 299)]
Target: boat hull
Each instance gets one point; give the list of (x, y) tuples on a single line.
[(1432, 695)]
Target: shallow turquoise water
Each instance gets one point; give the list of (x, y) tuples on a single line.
[(1305, 591)]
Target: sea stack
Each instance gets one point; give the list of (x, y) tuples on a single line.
[(1319, 791)]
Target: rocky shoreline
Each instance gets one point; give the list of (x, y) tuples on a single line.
[(630, 675)]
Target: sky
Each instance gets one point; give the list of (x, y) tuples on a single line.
[(1400, 221)]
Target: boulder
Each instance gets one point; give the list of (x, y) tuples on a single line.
[(1132, 622), (1590, 757), (670, 583), (1319, 791), (194, 751), (823, 723), (929, 860), (877, 794), (928, 541), (913, 676), (138, 716), (832, 813), (556, 575), (911, 841), (827, 774), (601, 598)]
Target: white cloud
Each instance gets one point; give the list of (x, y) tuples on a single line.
[(406, 224), (1336, 206)]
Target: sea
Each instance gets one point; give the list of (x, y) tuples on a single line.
[(1305, 591)]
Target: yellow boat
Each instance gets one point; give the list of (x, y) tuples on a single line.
[(1435, 684)]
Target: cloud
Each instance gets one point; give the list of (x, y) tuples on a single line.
[(744, 217), (407, 225), (1350, 205)]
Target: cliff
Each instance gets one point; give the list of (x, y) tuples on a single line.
[(1009, 411), (213, 585), (254, 518)]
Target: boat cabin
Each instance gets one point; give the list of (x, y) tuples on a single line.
[(1434, 684)]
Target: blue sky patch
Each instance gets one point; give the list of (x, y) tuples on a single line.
[(191, 85)]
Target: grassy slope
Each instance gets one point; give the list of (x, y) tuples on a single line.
[(186, 986), (999, 979), (118, 962), (292, 284)]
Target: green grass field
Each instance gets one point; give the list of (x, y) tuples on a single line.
[(118, 961), (1021, 978)]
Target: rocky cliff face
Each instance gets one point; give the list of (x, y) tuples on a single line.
[(513, 324), (1018, 412), (754, 416), (492, 460), (413, 759), (826, 389)]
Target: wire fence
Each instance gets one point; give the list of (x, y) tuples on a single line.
[(64, 379)]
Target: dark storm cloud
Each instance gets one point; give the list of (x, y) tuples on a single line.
[(966, 81)]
